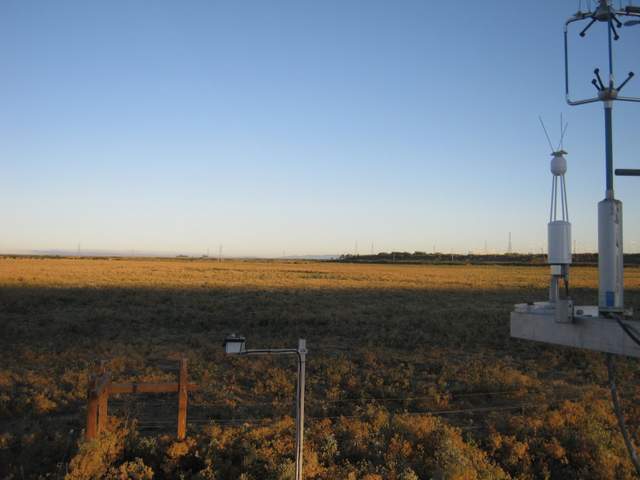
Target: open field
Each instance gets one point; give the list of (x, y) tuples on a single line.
[(411, 372)]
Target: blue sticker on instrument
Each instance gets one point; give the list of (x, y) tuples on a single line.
[(610, 298)]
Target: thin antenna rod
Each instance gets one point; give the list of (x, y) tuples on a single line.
[(561, 125), (564, 130), (545, 133)]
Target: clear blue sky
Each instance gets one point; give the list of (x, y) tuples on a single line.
[(299, 126)]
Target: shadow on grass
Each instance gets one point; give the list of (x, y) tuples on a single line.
[(406, 318), (55, 318)]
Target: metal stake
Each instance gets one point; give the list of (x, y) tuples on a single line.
[(302, 354)]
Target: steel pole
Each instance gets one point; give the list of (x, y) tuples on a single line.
[(302, 353), (608, 127), (610, 254)]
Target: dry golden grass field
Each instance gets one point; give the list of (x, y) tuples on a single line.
[(411, 372)]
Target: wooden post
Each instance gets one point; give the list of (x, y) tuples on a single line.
[(99, 393), (182, 400), (100, 387), (92, 409), (103, 403)]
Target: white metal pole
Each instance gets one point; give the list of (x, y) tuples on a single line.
[(302, 352)]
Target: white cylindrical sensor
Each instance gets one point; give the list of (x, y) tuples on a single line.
[(559, 242), (610, 256)]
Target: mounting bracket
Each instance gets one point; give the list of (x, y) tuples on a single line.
[(587, 329)]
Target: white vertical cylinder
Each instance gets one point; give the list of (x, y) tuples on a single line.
[(559, 242), (610, 256)]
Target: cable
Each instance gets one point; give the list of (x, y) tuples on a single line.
[(627, 330), (618, 411)]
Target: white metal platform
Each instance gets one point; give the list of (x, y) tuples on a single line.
[(589, 331)]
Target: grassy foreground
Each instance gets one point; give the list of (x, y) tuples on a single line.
[(411, 372)]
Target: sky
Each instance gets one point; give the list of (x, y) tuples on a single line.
[(301, 127)]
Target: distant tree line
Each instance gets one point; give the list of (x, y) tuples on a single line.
[(474, 258)]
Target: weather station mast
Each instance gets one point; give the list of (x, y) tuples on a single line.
[(610, 253), (604, 327), (559, 227), (609, 326)]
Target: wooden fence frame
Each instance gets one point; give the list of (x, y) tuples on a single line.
[(101, 386)]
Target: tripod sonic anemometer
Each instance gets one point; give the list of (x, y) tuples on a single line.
[(606, 327)]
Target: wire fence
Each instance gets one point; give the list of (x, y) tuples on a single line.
[(201, 418), (312, 402), (146, 424), (156, 413)]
